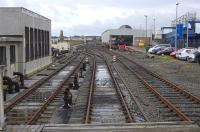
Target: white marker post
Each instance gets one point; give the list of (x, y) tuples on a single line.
[(2, 119), (114, 58)]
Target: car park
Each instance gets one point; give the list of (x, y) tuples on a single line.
[(157, 48), (176, 52), (173, 54), (193, 56), (184, 53), (154, 51), (197, 57), (166, 51)]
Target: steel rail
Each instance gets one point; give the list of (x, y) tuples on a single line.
[(153, 90), (91, 90), (119, 92), (33, 88), (131, 94), (38, 113), (166, 81)]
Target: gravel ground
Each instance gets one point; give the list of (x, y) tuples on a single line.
[(153, 109), (181, 72)]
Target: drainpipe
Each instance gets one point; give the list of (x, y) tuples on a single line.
[(2, 118)]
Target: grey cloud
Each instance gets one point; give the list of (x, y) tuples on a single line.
[(162, 10)]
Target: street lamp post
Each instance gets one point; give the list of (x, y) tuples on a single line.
[(176, 25), (187, 22), (154, 26), (146, 28)]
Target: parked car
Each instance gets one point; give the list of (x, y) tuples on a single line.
[(192, 57), (157, 47), (183, 54), (166, 51), (198, 56), (154, 51), (173, 54)]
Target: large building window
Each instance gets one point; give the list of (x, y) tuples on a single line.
[(31, 44), (36, 43), (48, 45), (39, 44), (2, 55), (27, 43), (43, 43), (12, 54)]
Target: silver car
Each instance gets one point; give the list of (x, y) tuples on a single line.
[(152, 49)]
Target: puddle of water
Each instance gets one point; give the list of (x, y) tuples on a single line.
[(69, 68), (102, 76), (53, 82), (63, 73)]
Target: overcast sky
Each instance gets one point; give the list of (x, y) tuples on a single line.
[(92, 17)]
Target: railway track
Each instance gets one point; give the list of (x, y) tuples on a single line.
[(49, 72), (105, 100), (136, 111), (29, 109), (80, 102), (176, 103)]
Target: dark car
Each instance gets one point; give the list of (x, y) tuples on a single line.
[(166, 51), (154, 51), (198, 57)]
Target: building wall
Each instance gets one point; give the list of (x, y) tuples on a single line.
[(122, 31), (38, 40), (137, 33), (10, 67), (34, 65), (142, 40), (12, 23), (61, 46), (142, 33), (14, 19), (105, 37)]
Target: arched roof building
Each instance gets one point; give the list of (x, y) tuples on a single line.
[(127, 34)]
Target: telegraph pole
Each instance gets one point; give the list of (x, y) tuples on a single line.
[(187, 22), (154, 26), (146, 27)]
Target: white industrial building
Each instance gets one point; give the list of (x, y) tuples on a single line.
[(24, 40), (129, 35)]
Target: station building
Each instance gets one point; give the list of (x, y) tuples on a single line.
[(128, 35), (24, 40)]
